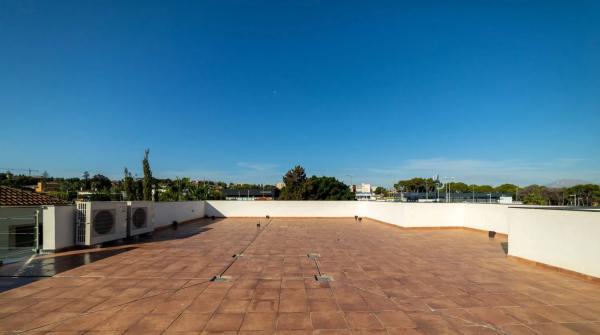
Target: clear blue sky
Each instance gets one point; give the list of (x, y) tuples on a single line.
[(484, 91)]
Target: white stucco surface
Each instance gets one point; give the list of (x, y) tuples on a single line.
[(224, 208), (478, 216), (167, 212), (59, 227), (563, 238)]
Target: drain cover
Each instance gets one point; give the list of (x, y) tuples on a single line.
[(323, 278), (313, 255), (221, 279)]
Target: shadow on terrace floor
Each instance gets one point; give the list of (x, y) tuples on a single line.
[(35, 268)]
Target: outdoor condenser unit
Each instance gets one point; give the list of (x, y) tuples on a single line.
[(140, 217), (100, 221)]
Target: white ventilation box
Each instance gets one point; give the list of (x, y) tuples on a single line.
[(140, 217), (100, 221)]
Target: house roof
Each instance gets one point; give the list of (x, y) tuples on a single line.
[(17, 197)]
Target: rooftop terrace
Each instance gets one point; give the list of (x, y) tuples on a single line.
[(386, 280)]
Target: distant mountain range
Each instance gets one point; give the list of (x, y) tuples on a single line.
[(567, 183)]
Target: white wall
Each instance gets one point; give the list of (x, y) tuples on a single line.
[(167, 212), (224, 208), (478, 216), (486, 217), (417, 214), (59, 227), (563, 238)]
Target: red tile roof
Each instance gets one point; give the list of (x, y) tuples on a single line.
[(16, 197)]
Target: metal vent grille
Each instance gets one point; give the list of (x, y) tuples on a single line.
[(81, 212), (139, 218), (80, 234), (104, 222)]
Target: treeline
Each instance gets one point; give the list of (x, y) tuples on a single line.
[(130, 187), (579, 195), (297, 187)]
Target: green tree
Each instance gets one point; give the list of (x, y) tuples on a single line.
[(533, 195), (326, 188), (294, 181), (506, 188), (381, 191), (587, 193), (128, 185), (416, 185), (147, 183), (100, 183), (460, 187), (483, 189)]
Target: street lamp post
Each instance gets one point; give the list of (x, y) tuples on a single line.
[(448, 197)]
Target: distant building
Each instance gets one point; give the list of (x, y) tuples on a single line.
[(248, 194), (363, 191), (43, 187), (364, 188)]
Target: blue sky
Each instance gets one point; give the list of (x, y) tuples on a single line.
[(483, 91)]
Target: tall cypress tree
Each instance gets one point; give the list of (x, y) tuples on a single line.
[(147, 184)]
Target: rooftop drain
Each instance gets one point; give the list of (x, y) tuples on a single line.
[(491, 234), (320, 277), (313, 255), (323, 278), (221, 279)]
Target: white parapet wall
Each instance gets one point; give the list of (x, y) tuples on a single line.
[(167, 212), (567, 239), (476, 216), (224, 208), (416, 214)]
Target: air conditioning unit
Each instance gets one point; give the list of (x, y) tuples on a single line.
[(100, 221), (140, 217)]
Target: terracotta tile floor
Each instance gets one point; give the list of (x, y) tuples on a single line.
[(386, 281)]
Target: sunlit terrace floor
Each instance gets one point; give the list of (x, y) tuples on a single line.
[(386, 281)]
